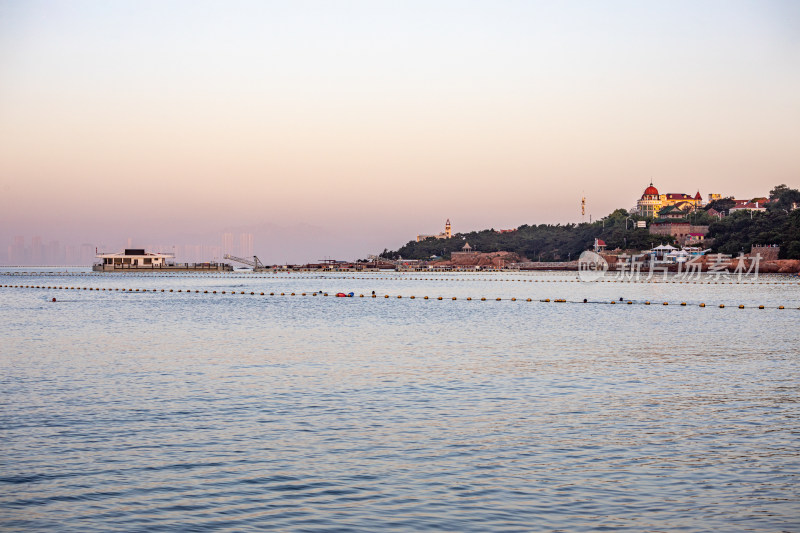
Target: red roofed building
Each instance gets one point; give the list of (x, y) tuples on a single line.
[(745, 205), (599, 245), (652, 202), (695, 238), (678, 197)]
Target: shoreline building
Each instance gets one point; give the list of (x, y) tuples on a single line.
[(447, 234), (139, 259), (133, 258), (652, 202), (684, 232)]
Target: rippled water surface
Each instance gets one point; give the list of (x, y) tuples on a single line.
[(137, 411)]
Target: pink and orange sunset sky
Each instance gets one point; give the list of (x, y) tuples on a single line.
[(338, 129)]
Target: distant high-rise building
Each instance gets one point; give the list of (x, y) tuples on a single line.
[(246, 244), (16, 252), (227, 243), (72, 255), (87, 254), (54, 254), (37, 251)]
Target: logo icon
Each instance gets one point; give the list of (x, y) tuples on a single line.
[(591, 266)]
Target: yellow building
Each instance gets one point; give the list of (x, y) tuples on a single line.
[(446, 235), (652, 202)]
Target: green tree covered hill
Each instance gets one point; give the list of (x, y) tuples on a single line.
[(780, 224), (545, 242)]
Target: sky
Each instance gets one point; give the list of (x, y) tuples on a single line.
[(340, 128)]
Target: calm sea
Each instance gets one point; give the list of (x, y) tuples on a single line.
[(151, 411)]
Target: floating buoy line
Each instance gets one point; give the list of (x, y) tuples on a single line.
[(702, 280), (379, 296)]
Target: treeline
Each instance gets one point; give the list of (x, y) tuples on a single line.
[(545, 242), (780, 224)]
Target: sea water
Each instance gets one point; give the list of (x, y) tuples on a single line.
[(140, 411)]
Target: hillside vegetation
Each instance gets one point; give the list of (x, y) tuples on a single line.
[(546, 242)]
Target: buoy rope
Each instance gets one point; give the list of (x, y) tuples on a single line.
[(384, 296)]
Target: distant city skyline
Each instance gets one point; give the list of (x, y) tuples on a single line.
[(338, 129)]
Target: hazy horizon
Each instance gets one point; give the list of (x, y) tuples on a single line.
[(338, 129)]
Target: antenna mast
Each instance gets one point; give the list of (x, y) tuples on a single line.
[(583, 209)]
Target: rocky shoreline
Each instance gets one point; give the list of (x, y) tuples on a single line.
[(500, 260), (710, 263)]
